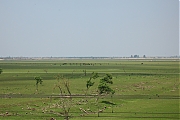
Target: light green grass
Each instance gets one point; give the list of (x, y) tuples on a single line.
[(143, 91)]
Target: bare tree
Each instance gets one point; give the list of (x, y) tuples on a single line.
[(65, 95)]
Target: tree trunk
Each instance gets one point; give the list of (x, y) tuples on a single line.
[(66, 116), (84, 72), (112, 103), (37, 87)]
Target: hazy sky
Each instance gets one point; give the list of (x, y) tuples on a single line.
[(77, 28)]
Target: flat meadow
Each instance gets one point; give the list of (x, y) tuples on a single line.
[(144, 89)]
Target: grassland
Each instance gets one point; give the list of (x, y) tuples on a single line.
[(144, 89)]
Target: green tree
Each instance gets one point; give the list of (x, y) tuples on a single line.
[(38, 81), (106, 79), (89, 82), (104, 88)]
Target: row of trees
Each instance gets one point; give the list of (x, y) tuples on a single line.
[(66, 101), (66, 98)]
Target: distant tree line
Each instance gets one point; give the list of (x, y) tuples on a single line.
[(137, 56)]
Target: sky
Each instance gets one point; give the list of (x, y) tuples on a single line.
[(85, 28)]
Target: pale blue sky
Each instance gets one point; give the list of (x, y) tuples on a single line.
[(68, 28)]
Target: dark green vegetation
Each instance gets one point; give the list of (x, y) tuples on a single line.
[(144, 89)]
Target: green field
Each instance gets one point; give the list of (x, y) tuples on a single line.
[(144, 89)]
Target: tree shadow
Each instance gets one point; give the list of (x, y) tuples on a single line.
[(107, 102)]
